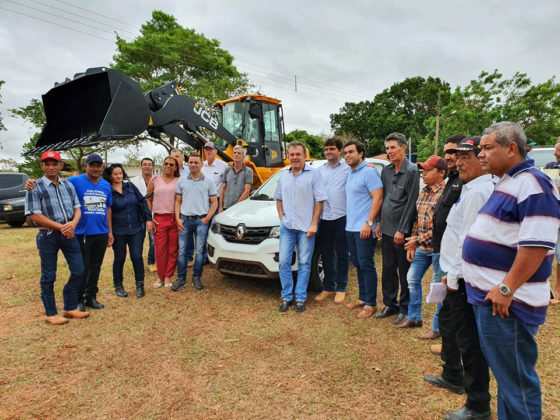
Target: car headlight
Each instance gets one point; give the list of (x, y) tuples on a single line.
[(8, 207), (216, 228), (274, 232)]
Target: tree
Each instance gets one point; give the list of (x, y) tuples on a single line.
[(8, 165), (313, 143), (165, 51), (403, 107)]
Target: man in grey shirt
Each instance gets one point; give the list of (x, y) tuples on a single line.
[(401, 183), (193, 216), (237, 182)]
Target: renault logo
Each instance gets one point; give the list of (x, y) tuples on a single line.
[(240, 231)]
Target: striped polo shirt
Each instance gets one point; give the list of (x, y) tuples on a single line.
[(523, 210)]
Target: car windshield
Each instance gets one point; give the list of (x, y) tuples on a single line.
[(266, 190)]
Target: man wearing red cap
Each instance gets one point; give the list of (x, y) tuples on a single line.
[(54, 205), (419, 249)]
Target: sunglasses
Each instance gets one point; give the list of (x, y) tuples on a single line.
[(168, 164)]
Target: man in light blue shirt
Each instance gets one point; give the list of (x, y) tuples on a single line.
[(299, 200), (331, 238), (364, 196)]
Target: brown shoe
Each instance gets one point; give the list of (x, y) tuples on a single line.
[(430, 335), (366, 312), (74, 313), (354, 305), (339, 297), (324, 295), (435, 348), (56, 320), (410, 324)]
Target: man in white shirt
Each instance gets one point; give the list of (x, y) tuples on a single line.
[(141, 182), (213, 168)]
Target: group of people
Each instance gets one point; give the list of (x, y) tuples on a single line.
[(488, 232)]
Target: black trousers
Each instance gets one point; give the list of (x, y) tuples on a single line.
[(394, 259), (460, 343), (93, 250)]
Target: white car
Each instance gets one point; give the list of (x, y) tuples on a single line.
[(244, 239)]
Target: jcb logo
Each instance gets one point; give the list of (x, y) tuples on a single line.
[(198, 110)]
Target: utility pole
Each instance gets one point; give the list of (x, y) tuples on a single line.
[(295, 82), (438, 110)]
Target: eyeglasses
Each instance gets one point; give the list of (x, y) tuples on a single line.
[(168, 164)]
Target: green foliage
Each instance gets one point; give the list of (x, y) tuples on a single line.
[(166, 51), (313, 143), (403, 107)]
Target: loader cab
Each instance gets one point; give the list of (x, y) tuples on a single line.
[(258, 121)]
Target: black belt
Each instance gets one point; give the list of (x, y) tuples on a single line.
[(202, 216)]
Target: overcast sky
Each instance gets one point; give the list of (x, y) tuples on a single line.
[(339, 51)]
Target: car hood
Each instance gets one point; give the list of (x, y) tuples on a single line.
[(13, 201), (253, 213)]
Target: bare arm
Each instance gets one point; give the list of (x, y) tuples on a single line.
[(280, 209), (374, 209), (526, 263), (317, 209), (245, 193), (110, 224), (222, 195), (213, 206), (178, 202)]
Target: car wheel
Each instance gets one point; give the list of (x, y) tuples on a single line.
[(317, 273), (16, 223)]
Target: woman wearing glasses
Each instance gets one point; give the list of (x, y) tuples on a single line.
[(161, 200)]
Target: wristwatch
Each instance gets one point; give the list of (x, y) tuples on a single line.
[(505, 290), (369, 223)]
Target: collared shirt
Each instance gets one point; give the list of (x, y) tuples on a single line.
[(196, 194), (299, 194), (95, 200), (461, 216), (56, 202), (334, 178), (448, 197), (359, 186), (124, 211), (523, 210), (400, 191), (235, 183), (184, 171), (422, 231), (215, 172), (139, 183)]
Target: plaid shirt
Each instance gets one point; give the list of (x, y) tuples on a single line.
[(57, 202), (422, 231)]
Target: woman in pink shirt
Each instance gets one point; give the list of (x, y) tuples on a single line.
[(161, 200)]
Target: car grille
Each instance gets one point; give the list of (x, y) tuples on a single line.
[(252, 235), (242, 268)]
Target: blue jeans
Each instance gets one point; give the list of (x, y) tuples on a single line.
[(420, 264), (194, 230), (48, 244), (361, 252), (289, 239), (151, 250), (509, 346), (135, 244), (331, 240)]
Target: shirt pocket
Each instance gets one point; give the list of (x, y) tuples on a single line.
[(397, 194)]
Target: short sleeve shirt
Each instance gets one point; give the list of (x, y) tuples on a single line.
[(359, 185), (235, 183), (95, 199), (196, 194)]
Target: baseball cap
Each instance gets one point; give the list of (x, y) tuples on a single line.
[(433, 162), (94, 158), (51, 154), (531, 143), (210, 145), (469, 144)]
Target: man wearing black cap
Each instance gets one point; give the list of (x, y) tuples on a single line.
[(457, 325), (94, 230), (55, 207)]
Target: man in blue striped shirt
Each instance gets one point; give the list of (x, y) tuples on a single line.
[(507, 259), (54, 205)]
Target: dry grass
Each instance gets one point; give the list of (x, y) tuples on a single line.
[(224, 352)]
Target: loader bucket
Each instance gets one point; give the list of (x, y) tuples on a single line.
[(98, 105)]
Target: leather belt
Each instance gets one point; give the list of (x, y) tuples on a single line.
[(202, 216)]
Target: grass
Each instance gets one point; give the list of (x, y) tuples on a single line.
[(225, 352)]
